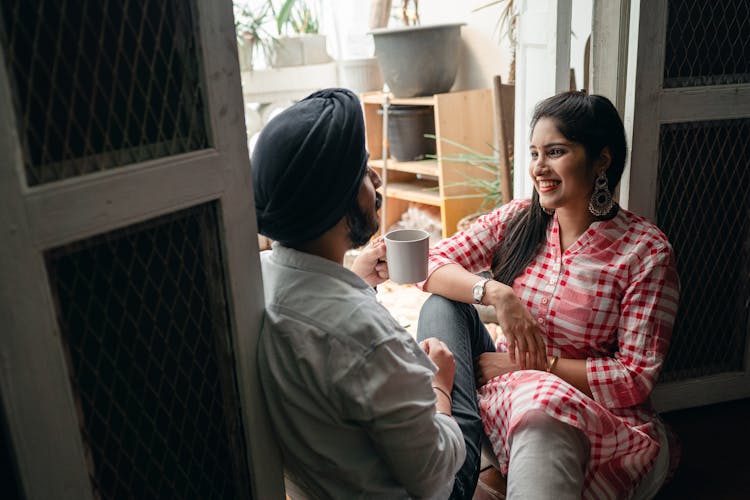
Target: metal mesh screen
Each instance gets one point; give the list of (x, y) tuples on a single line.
[(144, 322), (708, 43), (102, 84), (704, 208)]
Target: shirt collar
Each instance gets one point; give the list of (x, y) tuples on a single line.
[(596, 229), (290, 257)]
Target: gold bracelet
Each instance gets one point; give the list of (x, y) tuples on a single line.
[(450, 400), (551, 365)]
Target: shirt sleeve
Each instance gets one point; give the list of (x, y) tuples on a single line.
[(472, 249), (393, 399), (647, 312)]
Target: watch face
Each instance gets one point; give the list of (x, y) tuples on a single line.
[(478, 289)]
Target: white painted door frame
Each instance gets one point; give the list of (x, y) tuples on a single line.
[(542, 70), (610, 40), (34, 384)]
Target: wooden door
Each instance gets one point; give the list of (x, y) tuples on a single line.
[(131, 294), (689, 105)]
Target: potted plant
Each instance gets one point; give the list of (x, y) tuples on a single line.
[(298, 42), (416, 60), (251, 34), (358, 69), (486, 181)]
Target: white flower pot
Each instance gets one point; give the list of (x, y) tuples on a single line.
[(300, 50), (360, 75)]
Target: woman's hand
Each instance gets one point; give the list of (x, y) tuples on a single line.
[(370, 264), (439, 353), (525, 342), (493, 364)]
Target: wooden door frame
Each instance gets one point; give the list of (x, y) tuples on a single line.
[(34, 385)]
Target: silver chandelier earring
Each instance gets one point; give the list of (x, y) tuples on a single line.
[(601, 202)]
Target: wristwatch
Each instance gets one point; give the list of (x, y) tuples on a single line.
[(478, 290)]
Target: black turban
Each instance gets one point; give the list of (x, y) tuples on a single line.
[(308, 165)]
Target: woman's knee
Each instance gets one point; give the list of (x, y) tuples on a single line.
[(539, 425), (438, 308)]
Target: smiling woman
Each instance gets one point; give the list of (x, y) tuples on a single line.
[(563, 176), (586, 294)]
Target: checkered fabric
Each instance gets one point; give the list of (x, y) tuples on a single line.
[(611, 299)]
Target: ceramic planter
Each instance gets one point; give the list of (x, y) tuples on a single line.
[(407, 126), (360, 75), (419, 60), (299, 50)]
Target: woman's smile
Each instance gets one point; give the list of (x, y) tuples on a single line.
[(562, 175), (545, 186)]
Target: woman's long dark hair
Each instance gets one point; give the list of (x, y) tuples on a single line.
[(593, 122)]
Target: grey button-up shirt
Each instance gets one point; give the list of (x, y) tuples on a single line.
[(348, 390)]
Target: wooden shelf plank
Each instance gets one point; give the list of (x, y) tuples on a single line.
[(377, 98), (464, 117), (424, 167), (419, 191)]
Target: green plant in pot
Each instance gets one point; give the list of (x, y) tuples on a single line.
[(489, 187), (299, 42), (297, 16), (252, 37)]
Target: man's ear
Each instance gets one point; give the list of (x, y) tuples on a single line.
[(604, 160)]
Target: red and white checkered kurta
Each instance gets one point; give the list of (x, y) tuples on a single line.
[(611, 299)]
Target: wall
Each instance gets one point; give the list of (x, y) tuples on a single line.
[(486, 50)]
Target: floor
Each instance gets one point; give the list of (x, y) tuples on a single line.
[(403, 302), (715, 439), (715, 459)]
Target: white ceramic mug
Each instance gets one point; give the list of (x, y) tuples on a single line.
[(406, 253)]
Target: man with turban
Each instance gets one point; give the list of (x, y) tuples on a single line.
[(360, 410)]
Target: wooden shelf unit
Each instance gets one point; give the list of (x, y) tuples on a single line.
[(465, 117)]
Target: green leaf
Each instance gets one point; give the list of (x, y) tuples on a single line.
[(284, 15), (490, 190), (496, 2)]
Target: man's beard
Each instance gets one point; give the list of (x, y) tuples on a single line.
[(362, 226)]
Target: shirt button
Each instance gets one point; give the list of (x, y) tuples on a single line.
[(544, 300), (541, 321), (553, 281)]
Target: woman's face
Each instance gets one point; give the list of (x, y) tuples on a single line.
[(562, 175)]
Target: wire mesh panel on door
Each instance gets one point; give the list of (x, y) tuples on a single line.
[(707, 43), (143, 317), (103, 84), (703, 207)]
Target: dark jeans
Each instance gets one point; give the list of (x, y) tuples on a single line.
[(458, 325)]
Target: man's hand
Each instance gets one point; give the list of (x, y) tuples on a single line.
[(439, 353), (370, 264)]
